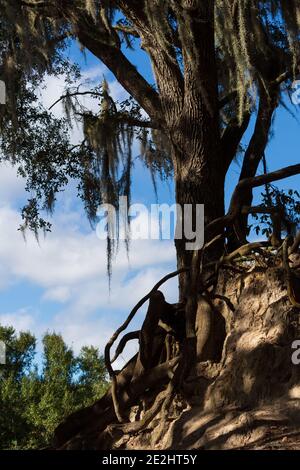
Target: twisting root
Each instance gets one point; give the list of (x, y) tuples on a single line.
[(288, 272), (128, 337), (138, 426), (196, 287), (225, 299), (244, 250), (188, 353), (123, 327), (295, 245)]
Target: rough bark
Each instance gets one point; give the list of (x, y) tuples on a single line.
[(195, 133)]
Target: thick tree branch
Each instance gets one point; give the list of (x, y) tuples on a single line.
[(258, 142), (267, 105), (231, 139), (217, 226), (101, 43), (130, 121), (159, 43)]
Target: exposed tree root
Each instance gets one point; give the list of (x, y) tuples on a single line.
[(169, 345), (293, 283), (244, 251), (295, 245), (121, 346), (110, 370)]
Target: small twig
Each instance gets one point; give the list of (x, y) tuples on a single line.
[(75, 93)]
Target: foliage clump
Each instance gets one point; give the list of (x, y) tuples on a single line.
[(35, 396)]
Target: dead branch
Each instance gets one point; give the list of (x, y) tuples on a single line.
[(75, 93)]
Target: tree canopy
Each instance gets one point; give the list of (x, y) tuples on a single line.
[(252, 59), (35, 396)]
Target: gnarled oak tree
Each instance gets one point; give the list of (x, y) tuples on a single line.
[(216, 63)]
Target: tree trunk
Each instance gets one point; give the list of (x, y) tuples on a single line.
[(194, 131), (197, 182)]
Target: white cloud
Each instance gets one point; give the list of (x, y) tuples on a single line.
[(21, 320), (70, 264), (70, 267), (60, 294), (67, 256), (12, 186)]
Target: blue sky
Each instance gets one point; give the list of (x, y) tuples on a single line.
[(61, 283)]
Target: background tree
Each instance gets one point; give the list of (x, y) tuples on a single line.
[(35, 399)]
